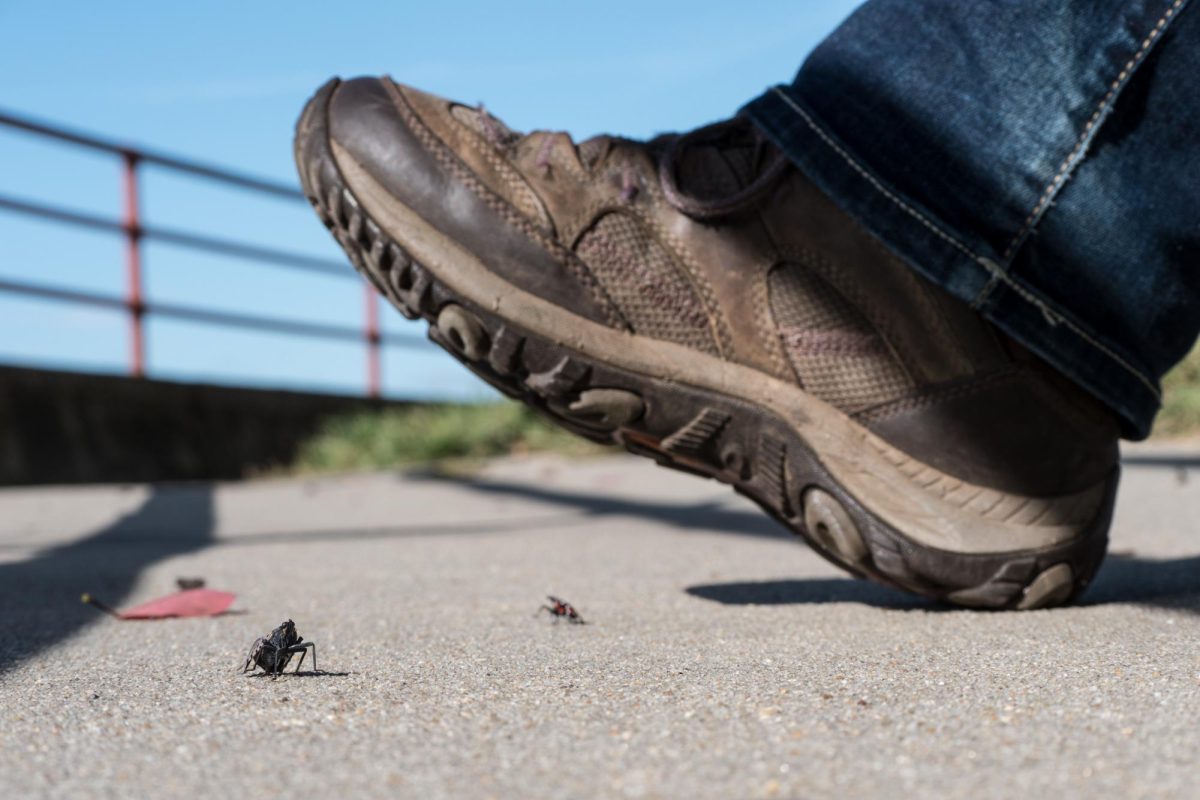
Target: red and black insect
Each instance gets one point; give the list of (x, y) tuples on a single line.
[(274, 651), (561, 609)]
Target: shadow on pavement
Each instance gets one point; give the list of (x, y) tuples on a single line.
[(810, 591), (1167, 461), (40, 596), (713, 516), (308, 673), (262, 538)]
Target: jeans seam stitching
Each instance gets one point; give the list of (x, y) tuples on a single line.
[(998, 274), (1089, 130), (825, 137), (1054, 319), (985, 292)]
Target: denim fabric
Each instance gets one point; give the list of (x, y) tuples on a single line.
[(1039, 159)]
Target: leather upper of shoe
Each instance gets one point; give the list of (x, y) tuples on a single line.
[(713, 241)]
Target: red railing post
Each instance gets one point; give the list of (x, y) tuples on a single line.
[(371, 334), (133, 267)]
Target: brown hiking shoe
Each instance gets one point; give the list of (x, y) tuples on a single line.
[(695, 299)]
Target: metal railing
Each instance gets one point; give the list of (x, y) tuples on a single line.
[(134, 232)]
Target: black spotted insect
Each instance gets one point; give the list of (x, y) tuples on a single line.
[(561, 609), (274, 651)]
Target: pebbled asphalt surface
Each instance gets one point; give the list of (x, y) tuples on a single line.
[(721, 658)]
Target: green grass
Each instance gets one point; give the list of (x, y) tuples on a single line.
[(1180, 415), (433, 434)]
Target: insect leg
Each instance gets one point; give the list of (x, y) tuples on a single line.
[(282, 657), (302, 649), (252, 658)]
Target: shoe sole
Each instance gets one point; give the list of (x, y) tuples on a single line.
[(861, 504)]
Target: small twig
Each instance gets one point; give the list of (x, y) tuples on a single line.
[(91, 601)]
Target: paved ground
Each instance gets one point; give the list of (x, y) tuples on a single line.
[(723, 659)]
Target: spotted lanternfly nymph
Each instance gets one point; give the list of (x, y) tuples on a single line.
[(561, 609)]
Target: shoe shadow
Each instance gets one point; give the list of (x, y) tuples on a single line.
[(1168, 583), (811, 591)]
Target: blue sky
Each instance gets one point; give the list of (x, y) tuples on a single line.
[(223, 82)]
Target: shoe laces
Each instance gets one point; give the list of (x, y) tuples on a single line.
[(724, 134)]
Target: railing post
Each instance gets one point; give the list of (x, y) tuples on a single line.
[(372, 337), (133, 267)]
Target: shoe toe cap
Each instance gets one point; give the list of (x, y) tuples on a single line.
[(373, 123)]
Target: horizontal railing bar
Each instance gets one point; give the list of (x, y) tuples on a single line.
[(251, 252), (195, 241), (177, 163), (206, 316), (66, 295), (295, 327), (61, 215)]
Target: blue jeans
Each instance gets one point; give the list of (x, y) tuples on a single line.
[(1039, 159)]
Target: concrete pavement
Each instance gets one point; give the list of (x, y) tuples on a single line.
[(722, 659)]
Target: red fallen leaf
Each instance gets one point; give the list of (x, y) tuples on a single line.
[(189, 603)]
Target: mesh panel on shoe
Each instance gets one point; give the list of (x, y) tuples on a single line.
[(645, 282), (835, 352), (484, 124)]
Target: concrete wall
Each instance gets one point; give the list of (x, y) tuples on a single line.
[(67, 427)]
